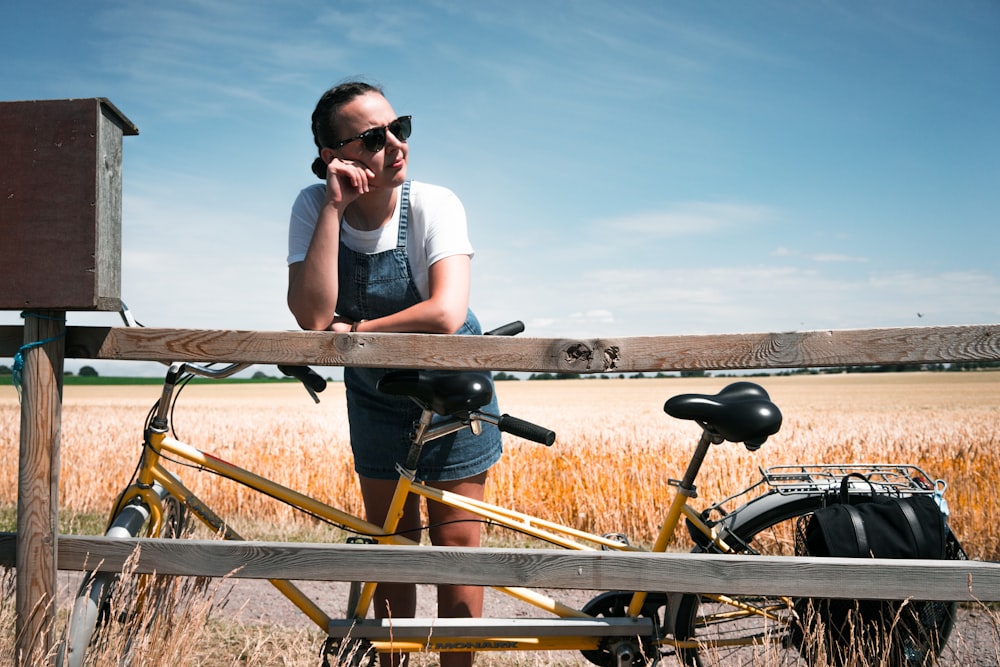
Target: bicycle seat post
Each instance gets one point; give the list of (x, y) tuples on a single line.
[(417, 439), (685, 489), (694, 466)]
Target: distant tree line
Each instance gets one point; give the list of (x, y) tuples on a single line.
[(881, 368), (898, 368), (86, 371)]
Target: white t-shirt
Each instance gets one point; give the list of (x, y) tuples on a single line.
[(436, 229)]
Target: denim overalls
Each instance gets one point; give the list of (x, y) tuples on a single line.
[(373, 286)]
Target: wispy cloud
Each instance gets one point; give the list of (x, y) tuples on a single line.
[(207, 57), (691, 218), (600, 315), (834, 257)]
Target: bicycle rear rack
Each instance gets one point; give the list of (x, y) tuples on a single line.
[(826, 478)]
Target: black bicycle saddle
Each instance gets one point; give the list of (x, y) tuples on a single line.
[(444, 392), (741, 412)]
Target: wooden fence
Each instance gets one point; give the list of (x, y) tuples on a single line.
[(39, 551)]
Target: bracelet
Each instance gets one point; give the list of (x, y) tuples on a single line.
[(354, 327)]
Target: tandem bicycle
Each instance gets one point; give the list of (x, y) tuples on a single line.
[(614, 628)]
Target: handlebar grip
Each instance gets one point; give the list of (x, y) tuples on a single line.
[(509, 329), (305, 375), (526, 430)]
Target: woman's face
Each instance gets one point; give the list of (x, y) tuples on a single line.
[(363, 113)]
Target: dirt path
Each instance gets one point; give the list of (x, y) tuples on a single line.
[(253, 601), (975, 641)]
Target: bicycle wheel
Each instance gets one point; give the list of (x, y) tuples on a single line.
[(769, 629), (91, 612)]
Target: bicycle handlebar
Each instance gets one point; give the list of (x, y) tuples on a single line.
[(307, 376), (207, 371), (509, 329), (527, 430)]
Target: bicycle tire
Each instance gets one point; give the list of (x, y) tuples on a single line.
[(768, 526), (90, 614)]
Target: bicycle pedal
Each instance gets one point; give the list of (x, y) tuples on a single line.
[(620, 538)]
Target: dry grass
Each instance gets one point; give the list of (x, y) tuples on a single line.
[(607, 472), (167, 621)]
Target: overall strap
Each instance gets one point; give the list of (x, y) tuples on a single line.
[(404, 214)]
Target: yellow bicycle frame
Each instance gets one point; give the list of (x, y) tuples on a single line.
[(484, 637)]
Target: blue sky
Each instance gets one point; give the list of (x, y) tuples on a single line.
[(628, 168)]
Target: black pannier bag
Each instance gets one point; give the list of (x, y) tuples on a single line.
[(894, 633)]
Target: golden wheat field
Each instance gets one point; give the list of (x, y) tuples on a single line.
[(607, 472)]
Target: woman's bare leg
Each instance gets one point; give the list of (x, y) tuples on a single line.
[(458, 528), (392, 600)]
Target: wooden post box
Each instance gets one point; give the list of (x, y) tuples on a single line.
[(60, 204)]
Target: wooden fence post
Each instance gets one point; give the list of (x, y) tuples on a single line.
[(38, 483), (60, 217)]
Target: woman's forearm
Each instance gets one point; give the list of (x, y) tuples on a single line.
[(423, 317), (313, 282)]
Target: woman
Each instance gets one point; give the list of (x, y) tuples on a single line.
[(371, 251)]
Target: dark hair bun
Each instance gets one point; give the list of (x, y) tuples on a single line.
[(319, 168)]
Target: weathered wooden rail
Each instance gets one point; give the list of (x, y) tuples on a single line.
[(797, 349), (544, 568)]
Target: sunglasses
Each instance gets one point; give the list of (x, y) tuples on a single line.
[(374, 139)]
